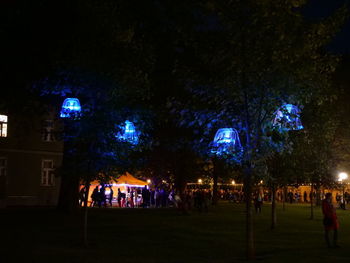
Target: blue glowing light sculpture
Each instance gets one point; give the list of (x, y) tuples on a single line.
[(70, 108), (226, 141), (288, 117), (128, 133)]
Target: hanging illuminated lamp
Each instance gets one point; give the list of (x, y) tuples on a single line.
[(226, 141), (128, 133), (70, 108), (288, 117)]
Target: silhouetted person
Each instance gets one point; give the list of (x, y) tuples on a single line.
[(258, 201), (111, 196), (145, 197), (94, 197), (330, 220), (290, 197), (131, 198), (102, 197), (119, 198), (82, 195)]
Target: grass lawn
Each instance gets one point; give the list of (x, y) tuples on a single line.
[(165, 235)]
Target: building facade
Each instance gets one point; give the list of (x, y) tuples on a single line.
[(30, 155)]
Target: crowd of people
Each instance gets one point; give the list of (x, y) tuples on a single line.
[(104, 196)]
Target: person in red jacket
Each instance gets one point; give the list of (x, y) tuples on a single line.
[(330, 220)]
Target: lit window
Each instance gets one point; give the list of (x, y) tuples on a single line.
[(3, 167), (47, 134), (47, 173), (3, 126)]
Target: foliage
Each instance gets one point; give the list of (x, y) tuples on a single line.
[(268, 56), (271, 57), (317, 143), (91, 139)]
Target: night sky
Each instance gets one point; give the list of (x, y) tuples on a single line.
[(28, 42), (317, 9)]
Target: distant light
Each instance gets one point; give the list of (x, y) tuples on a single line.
[(129, 127), (200, 181), (227, 141), (149, 181), (288, 117), (70, 108), (128, 133), (342, 176), (3, 125), (233, 182), (129, 185), (163, 181), (261, 181)]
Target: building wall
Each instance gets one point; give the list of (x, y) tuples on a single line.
[(24, 150)]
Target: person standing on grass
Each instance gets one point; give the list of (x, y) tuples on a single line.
[(102, 197), (119, 198), (82, 194), (258, 201), (143, 194), (330, 220), (111, 196), (131, 202), (94, 197), (305, 197)]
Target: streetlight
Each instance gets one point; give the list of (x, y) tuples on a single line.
[(148, 181), (200, 181), (341, 178), (233, 184)]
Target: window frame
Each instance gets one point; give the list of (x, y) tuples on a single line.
[(3, 125), (47, 134), (47, 173)]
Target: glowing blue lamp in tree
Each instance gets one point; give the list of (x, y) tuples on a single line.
[(226, 141), (287, 117), (70, 108), (128, 133)]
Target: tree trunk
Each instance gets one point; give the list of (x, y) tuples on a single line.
[(250, 246), (318, 194), (249, 148), (180, 184), (312, 202), (273, 208), (215, 181), (68, 200), (284, 198), (215, 189), (85, 216)]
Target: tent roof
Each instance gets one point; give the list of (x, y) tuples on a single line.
[(127, 178)]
